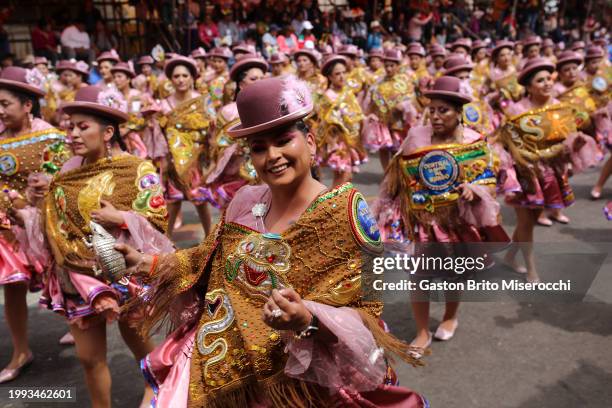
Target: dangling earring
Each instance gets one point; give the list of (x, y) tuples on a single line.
[(312, 161), (109, 154)]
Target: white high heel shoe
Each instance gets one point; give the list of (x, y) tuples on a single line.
[(445, 335)]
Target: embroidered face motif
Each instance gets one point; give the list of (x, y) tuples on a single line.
[(259, 264)]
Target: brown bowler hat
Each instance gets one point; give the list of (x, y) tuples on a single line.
[(534, 65), (329, 61), (188, 63), (247, 62), (97, 101), (456, 63), (447, 88), (270, 104), (125, 68), (16, 78), (568, 56)]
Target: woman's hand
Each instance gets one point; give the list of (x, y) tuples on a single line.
[(107, 216), (285, 310), (16, 217), (38, 185), (136, 262), (466, 192)]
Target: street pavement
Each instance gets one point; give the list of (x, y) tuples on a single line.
[(506, 353)]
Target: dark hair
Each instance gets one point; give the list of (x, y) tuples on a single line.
[(104, 122), (23, 98), (330, 67)]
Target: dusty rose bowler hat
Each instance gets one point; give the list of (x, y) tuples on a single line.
[(270, 104), (447, 88), (96, 101), (16, 78)]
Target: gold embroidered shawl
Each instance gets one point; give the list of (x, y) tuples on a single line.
[(340, 118), (387, 95), (582, 103), (325, 256), (127, 182)]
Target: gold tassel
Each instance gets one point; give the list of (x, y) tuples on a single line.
[(388, 341)]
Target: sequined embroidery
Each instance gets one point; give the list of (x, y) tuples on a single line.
[(363, 224), (90, 196), (150, 199)]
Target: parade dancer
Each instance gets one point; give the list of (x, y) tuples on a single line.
[(231, 167), (416, 205), (100, 193), (186, 118), (106, 61), (340, 118), (281, 282), (218, 59), (32, 151), (540, 135), (390, 110), (146, 80)]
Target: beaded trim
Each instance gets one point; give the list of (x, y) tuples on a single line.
[(31, 138), (330, 194)]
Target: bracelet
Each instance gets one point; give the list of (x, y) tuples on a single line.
[(309, 331), (124, 226), (153, 264)]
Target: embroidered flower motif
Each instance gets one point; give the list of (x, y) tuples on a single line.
[(35, 78), (259, 210), (113, 99)]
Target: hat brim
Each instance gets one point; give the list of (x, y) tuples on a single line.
[(497, 49), (246, 64), (78, 71), (95, 109), (593, 56), (308, 54), (238, 132), (448, 96), (171, 64), (113, 59), (396, 60), (129, 73), (526, 73), (333, 60), (21, 87), (464, 67), (564, 61)]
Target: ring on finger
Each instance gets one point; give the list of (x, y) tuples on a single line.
[(276, 313)]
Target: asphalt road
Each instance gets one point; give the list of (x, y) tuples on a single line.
[(506, 352)]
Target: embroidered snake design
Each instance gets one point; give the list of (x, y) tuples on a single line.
[(215, 300), (533, 134)]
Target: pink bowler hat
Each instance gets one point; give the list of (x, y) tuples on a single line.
[(456, 63), (437, 50), (109, 56), (568, 56), (462, 42), (534, 65), (198, 53), (187, 62), (20, 80), (145, 60), (393, 54), (80, 67), (278, 58), (244, 49), (349, 50), (548, 43), (308, 53), (41, 60), (270, 104), (578, 45), (220, 52), (447, 88), (330, 61), (594, 52), (415, 49), (125, 68), (98, 101), (532, 40), (500, 45), (247, 62), (376, 52), (478, 44), (326, 50)]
